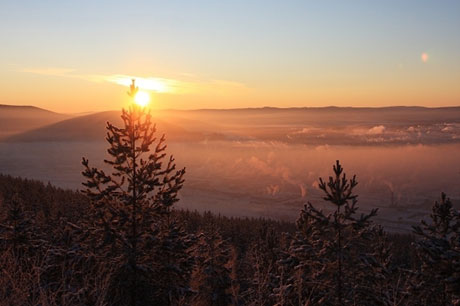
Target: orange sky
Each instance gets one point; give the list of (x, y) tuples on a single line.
[(75, 57)]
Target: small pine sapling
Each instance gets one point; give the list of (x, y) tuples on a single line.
[(332, 258)]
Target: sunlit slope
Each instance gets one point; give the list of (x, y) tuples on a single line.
[(92, 128), (18, 119)]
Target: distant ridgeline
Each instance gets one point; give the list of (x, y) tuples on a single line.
[(18, 119), (310, 126)]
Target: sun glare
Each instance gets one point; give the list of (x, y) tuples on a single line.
[(152, 84), (142, 98), (424, 57)]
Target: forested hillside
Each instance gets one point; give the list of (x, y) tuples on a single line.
[(204, 259)]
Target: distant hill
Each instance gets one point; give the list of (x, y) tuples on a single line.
[(315, 126), (18, 119), (326, 116), (92, 128)]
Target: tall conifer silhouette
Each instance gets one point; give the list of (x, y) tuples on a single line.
[(127, 203)]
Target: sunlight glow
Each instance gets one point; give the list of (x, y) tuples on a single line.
[(424, 57), (153, 84), (142, 98)]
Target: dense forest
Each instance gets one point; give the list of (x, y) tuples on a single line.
[(120, 241), (49, 257)]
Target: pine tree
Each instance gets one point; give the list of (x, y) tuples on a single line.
[(439, 251), (211, 277), (174, 263), (129, 203), (17, 230), (332, 259), (262, 258)]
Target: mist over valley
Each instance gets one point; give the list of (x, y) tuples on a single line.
[(266, 162)]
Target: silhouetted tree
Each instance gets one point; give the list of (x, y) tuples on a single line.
[(263, 258), (332, 259), (17, 229), (174, 263), (211, 278), (438, 280), (129, 203)]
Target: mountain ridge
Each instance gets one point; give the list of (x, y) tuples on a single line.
[(16, 119), (92, 128)]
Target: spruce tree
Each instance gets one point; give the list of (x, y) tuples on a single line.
[(129, 203), (17, 229), (332, 259), (438, 280), (211, 278), (174, 263), (262, 258)]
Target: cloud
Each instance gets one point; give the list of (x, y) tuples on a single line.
[(149, 83), (184, 84), (49, 71), (376, 130), (305, 130), (277, 171)]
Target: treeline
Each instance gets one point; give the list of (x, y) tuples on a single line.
[(204, 259)]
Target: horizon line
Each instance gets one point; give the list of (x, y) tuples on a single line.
[(245, 108)]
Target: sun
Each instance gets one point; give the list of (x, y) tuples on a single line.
[(142, 98)]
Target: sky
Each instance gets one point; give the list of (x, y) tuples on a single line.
[(77, 56)]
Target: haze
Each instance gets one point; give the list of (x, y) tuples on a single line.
[(265, 162)]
